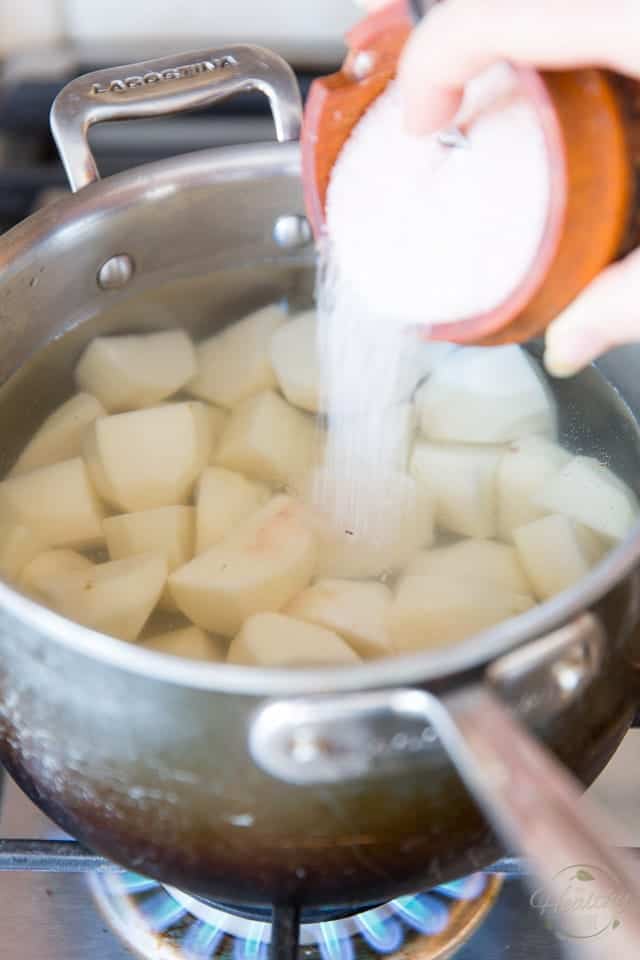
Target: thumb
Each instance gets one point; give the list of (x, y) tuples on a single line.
[(605, 315)]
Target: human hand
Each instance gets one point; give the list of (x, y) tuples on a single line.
[(457, 40)]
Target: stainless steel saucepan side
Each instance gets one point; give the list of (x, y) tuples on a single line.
[(316, 787)]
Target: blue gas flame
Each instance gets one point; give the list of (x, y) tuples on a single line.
[(468, 888), (202, 940), (254, 946), (162, 912), (383, 928), (424, 912), (133, 883), (383, 933), (332, 945)]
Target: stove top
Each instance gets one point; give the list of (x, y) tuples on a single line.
[(118, 915)]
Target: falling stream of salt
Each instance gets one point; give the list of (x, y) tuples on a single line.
[(366, 367), (419, 233)]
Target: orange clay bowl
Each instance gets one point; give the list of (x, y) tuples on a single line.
[(588, 133)]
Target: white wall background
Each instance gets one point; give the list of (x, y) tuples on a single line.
[(25, 23), (305, 24)]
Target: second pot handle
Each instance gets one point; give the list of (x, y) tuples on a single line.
[(168, 85)]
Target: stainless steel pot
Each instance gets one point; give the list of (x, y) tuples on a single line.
[(317, 787)]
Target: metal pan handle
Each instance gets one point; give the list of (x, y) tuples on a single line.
[(533, 804), (537, 808), (169, 85)]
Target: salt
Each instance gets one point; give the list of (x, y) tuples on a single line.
[(428, 233), (366, 369), (417, 233)]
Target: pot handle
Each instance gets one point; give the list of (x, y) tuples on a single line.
[(168, 85), (534, 805)]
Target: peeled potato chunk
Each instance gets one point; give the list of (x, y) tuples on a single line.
[(148, 458), (209, 423), (18, 547), (50, 564), (275, 640), (218, 419), (259, 567), (223, 500), (590, 493), (191, 643), (482, 560), (461, 482), (166, 530), (269, 440), (522, 473), (294, 356), (486, 395), (60, 436), (236, 363), (56, 501), (354, 610), (555, 553), (115, 598), (127, 372), (430, 612), (403, 525)]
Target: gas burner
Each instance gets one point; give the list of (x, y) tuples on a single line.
[(161, 923)]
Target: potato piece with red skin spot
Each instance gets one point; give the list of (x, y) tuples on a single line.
[(257, 568)]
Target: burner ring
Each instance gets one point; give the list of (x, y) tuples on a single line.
[(159, 923)]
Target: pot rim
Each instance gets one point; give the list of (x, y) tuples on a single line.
[(201, 168)]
